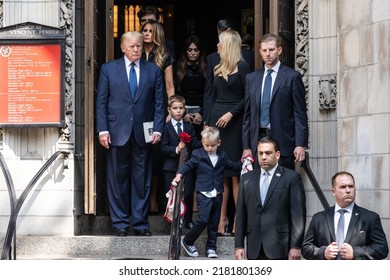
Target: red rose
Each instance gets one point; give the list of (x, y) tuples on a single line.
[(185, 137)]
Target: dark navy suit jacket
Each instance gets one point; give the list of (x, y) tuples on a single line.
[(120, 114), (288, 116), (170, 140), (208, 177)]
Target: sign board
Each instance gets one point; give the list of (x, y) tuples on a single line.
[(32, 75)]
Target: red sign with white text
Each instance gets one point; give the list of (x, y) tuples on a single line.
[(30, 87)]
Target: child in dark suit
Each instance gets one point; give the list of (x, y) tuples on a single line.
[(210, 163), (171, 147)]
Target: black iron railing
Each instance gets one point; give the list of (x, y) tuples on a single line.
[(16, 203), (313, 181)]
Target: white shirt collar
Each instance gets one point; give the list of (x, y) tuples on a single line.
[(174, 122), (349, 208), (275, 68), (271, 171), (128, 62)]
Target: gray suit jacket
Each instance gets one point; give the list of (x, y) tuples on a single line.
[(365, 234), (279, 224)]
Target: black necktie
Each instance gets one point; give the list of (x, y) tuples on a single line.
[(266, 100), (179, 128), (133, 80)]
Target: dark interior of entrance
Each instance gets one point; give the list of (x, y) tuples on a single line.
[(180, 19)]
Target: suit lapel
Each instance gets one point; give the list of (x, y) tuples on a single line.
[(330, 222), (355, 215), (278, 81), (256, 187), (142, 77), (172, 129), (122, 71), (259, 76), (278, 174), (206, 155)]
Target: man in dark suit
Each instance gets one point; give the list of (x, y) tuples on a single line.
[(120, 114), (361, 233), (284, 109), (271, 209)]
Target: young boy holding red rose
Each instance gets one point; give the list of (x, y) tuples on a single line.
[(177, 135), (209, 163)]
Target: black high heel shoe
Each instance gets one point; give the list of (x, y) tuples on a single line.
[(225, 231)]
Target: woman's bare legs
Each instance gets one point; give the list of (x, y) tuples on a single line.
[(223, 220), (235, 187)]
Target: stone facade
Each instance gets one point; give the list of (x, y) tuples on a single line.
[(342, 52)]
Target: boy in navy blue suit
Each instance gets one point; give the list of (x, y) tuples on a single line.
[(209, 163), (171, 147)]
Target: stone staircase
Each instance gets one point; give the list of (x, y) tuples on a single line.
[(97, 241)]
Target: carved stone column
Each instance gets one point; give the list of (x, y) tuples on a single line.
[(66, 21)]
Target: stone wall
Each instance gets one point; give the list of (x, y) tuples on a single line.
[(363, 112)]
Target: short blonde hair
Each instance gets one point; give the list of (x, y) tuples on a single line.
[(211, 133), (132, 35), (176, 98)]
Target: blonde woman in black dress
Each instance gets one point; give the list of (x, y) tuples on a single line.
[(226, 110)]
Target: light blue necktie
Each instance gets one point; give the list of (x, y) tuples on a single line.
[(133, 80), (266, 100), (340, 231), (340, 228), (264, 187)]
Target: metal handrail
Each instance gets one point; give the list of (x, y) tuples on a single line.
[(17, 203), (176, 231), (306, 166)]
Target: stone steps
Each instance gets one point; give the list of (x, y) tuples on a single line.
[(96, 240), (108, 247)]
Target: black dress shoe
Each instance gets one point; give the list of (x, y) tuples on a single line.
[(121, 232), (189, 225), (142, 232)]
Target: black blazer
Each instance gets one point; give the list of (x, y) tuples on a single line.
[(212, 60), (170, 140), (279, 224), (208, 177), (365, 234)]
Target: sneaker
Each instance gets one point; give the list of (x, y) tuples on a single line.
[(190, 249), (211, 253)]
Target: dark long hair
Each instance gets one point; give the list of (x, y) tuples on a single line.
[(183, 59)]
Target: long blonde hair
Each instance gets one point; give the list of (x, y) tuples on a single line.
[(230, 53)]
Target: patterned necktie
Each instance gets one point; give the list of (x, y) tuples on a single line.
[(179, 128), (133, 80), (266, 100), (264, 186)]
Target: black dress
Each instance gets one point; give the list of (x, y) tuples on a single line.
[(228, 96), (192, 89)]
